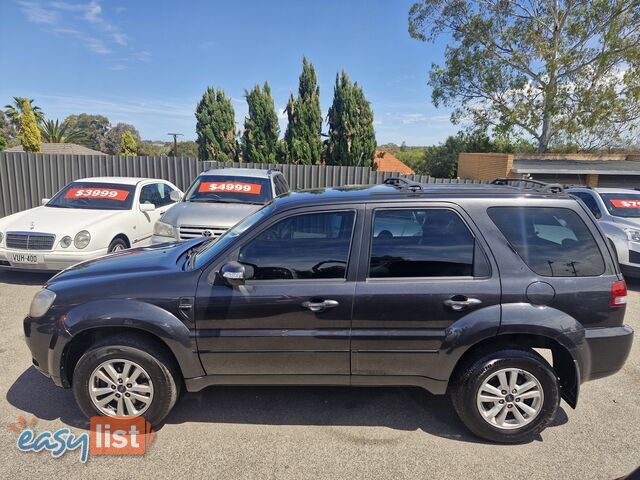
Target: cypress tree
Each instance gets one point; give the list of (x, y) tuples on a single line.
[(261, 130), (215, 127), (352, 138), (29, 131), (302, 136)]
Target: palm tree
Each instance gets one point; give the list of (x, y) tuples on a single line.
[(56, 132), (14, 111)]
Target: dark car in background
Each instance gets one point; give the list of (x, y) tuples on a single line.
[(455, 289)]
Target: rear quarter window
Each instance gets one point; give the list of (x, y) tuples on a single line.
[(553, 242)]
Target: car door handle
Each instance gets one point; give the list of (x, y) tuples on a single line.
[(460, 302), (320, 306)]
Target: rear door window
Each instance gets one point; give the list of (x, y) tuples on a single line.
[(420, 243), (553, 242)]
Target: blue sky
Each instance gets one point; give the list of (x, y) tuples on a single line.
[(148, 62)]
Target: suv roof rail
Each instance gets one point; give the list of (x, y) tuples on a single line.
[(530, 184), (403, 183)]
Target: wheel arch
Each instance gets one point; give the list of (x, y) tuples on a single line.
[(122, 236), (80, 343), (88, 322), (562, 361)]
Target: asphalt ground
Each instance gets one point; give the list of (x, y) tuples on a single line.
[(315, 432)]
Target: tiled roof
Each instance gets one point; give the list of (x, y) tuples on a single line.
[(60, 149), (385, 162)]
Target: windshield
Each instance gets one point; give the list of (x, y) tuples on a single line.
[(622, 204), (230, 189), (212, 248), (94, 196)]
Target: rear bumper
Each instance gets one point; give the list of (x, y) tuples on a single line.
[(608, 349)]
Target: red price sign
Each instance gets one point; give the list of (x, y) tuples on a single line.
[(625, 203), (222, 187), (108, 193)]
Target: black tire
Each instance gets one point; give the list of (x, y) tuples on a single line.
[(476, 372), (159, 366), (117, 244)]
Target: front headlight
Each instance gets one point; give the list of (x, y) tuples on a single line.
[(163, 229), (82, 239), (633, 235), (41, 303)]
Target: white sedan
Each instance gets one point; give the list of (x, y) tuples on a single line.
[(86, 219)]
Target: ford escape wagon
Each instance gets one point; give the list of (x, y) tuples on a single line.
[(465, 290)]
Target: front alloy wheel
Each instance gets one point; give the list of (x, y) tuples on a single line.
[(121, 387), (126, 375)]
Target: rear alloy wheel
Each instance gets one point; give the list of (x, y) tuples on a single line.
[(508, 396)]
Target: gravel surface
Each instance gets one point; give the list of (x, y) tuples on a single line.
[(312, 432)]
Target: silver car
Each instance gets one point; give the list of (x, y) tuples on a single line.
[(618, 213), (216, 201)]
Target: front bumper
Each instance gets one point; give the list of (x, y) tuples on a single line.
[(608, 349), (46, 342), (47, 261)]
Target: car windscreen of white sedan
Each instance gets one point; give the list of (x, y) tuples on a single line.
[(86, 219)]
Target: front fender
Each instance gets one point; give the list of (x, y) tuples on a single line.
[(137, 315)]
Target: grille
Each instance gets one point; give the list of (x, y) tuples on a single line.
[(187, 232), (30, 241)]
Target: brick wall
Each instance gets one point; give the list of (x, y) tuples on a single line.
[(484, 166)]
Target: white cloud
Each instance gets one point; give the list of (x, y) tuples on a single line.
[(84, 21), (38, 14)]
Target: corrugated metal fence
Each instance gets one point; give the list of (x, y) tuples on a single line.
[(26, 178)]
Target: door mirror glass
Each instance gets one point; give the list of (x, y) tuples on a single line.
[(147, 207), (233, 274), (44, 201), (175, 196)]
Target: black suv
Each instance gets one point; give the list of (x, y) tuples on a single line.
[(449, 288)]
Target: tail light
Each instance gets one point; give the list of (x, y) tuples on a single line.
[(618, 294)]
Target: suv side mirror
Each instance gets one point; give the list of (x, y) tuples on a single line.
[(233, 274), (175, 196), (147, 207), (44, 201)]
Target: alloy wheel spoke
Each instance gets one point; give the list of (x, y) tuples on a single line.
[(489, 398), (526, 408), (98, 391), (491, 414), (134, 376), (530, 394), (518, 416), (131, 410), (141, 398), (120, 409), (491, 389), (137, 387), (105, 378), (106, 400), (502, 416), (111, 371), (504, 384), (525, 387)]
